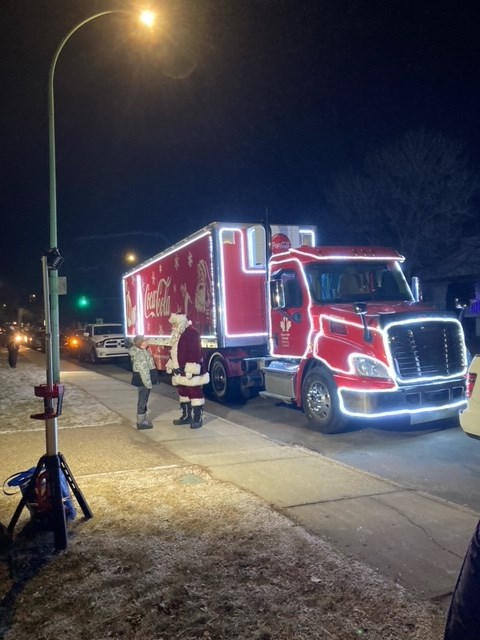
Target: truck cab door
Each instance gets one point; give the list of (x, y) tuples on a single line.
[(289, 318)]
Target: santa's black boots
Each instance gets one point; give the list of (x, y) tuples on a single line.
[(197, 418), (186, 417)]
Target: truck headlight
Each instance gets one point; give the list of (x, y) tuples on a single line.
[(369, 368)]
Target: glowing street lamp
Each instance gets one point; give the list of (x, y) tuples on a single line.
[(147, 18), (131, 258)]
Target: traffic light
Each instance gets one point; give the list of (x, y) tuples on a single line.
[(83, 302)]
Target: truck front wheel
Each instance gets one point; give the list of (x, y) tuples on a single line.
[(320, 403)]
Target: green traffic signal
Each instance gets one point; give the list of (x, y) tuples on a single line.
[(83, 302)]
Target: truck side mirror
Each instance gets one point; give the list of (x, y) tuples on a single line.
[(417, 289), (360, 308)]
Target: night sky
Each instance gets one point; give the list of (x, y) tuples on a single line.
[(231, 109)]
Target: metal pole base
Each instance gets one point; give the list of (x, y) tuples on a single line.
[(55, 516)]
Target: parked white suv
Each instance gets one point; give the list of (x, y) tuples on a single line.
[(101, 342), (470, 417)]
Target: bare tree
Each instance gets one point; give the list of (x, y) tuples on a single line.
[(415, 195)]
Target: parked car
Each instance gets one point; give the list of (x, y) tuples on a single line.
[(470, 417), (102, 342), (37, 340), (21, 335)]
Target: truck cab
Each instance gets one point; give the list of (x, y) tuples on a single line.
[(348, 340)]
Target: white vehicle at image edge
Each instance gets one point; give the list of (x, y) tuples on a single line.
[(102, 342), (470, 417)]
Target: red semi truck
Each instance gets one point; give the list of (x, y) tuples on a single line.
[(335, 331)]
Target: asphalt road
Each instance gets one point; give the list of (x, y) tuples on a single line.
[(437, 458)]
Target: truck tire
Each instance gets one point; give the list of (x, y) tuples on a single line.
[(221, 387), (320, 402), (93, 356)]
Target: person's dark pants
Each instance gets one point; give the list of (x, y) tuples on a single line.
[(463, 620), (12, 355), (143, 394)]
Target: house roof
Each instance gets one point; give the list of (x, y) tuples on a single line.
[(464, 263)]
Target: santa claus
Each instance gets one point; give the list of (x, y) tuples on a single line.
[(187, 369)]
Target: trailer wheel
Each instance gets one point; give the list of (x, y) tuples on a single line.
[(221, 387), (219, 380), (320, 402)]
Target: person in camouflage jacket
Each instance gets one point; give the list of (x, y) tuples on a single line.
[(142, 364)]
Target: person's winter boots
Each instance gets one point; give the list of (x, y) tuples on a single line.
[(197, 418), (186, 417), (142, 422)]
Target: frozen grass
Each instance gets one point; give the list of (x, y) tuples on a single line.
[(174, 554)]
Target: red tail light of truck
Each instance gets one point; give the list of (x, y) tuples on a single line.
[(471, 379)]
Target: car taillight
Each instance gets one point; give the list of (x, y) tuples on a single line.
[(471, 379)]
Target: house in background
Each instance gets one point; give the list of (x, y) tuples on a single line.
[(454, 285)]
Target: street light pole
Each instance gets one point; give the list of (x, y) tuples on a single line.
[(53, 275), (53, 462), (147, 18)]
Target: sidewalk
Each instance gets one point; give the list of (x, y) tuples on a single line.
[(409, 536), (414, 538)]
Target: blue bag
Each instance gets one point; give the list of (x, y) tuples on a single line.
[(38, 500)]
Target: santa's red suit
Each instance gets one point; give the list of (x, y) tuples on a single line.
[(188, 372)]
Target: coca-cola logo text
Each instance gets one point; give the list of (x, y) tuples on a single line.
[(157, 302), (280, 242)]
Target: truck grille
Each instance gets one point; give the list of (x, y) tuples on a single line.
[(115, 343), (427, 349)]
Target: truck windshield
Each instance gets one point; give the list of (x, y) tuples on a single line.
[(108, 330), (357, 282)]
